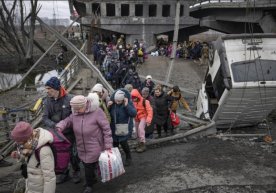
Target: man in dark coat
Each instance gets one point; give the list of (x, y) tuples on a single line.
[(56, 108)]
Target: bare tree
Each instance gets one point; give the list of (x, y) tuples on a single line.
[(17, 38)]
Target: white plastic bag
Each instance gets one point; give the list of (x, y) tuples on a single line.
[(111, 165)]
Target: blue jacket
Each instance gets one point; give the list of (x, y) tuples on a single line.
[(124, 114)]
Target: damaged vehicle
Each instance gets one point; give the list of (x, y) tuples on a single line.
[(239, 88)]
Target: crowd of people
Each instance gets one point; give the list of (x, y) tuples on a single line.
[(194, 50), (118, 61), (91, 123)]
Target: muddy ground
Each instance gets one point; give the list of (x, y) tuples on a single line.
[(206, 165)]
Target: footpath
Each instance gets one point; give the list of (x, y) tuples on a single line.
[(216, 163)]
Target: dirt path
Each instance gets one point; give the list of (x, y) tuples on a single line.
[(199, 166)]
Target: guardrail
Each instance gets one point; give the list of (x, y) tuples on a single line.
[(72, 68), (204, 2), (82, 56), (65, 78), (11, 116)]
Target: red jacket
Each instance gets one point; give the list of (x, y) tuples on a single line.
[(143, 110)]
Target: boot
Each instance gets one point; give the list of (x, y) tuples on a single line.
[(61, 178), (172, 132), (141, 148), (88, 190), (76, 177), (138, 146), (128, 161)]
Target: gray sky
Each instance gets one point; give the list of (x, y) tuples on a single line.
[(59, 8), (49, 8)]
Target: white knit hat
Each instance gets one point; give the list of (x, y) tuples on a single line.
[(97, 88), (119, 95), (148, 77)]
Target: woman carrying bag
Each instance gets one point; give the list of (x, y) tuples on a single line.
[(92, 131), (122, 112)]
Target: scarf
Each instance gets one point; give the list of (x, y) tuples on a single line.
[(29, 147)]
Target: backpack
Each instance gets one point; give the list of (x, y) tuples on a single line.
[(148, 129), (144, 102), (61, 151), (140, 52)]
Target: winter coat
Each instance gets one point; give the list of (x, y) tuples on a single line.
[(142, 106), (42, 179), (56, 110), (92, 131), (176, 98), (161, 106), (124, 114)]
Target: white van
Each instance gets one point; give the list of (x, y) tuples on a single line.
[(240, 84)]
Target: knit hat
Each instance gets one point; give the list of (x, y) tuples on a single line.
[(119, 95), (145, 91), (148, 77), (22, 132), (53, 83), (78, 101), (97, 88)]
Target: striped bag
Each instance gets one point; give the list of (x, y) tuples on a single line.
[(110, 164)]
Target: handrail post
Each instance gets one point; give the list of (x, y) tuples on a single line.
[(70, 71), (66, 79)]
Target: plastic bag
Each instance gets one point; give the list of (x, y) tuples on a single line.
[(110, 164), (174, 119)]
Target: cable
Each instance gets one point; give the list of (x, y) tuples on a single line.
[(257, 61)]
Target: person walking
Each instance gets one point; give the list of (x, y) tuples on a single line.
[(56, 108), (102, 94), (122, 111), (161, 109), (92, 131), (149, 84), (40, 174), (149, 129), (177, 98), (128, 87), (142, 119)]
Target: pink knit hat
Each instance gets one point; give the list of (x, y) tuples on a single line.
[(22, 132), (78, 101)]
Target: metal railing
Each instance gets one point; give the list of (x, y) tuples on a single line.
[(66, 77), (11, 116), (71, 69), (82, 56), (204, 2)]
